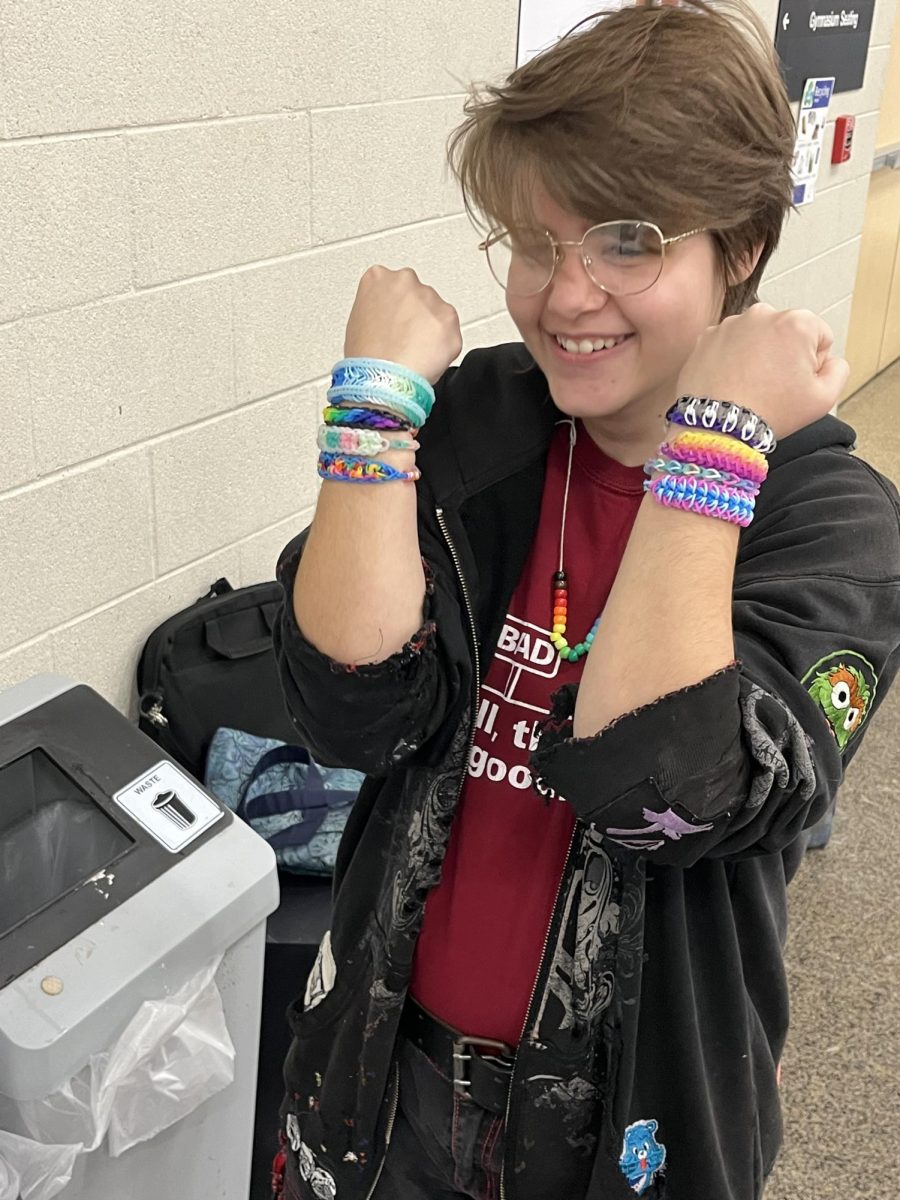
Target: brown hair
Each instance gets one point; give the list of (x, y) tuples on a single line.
[(676, 115)]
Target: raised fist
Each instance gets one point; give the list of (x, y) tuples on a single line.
[(397, 317)]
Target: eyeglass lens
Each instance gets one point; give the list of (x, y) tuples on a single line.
[(622, 257)]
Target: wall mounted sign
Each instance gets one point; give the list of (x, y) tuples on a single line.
[(815, 39), (810, 136), (542, 24)]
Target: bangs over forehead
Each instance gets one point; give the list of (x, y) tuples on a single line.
[(501, 192)]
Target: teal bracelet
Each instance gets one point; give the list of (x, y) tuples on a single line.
[(354, 377)]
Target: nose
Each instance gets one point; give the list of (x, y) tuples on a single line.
[(572, 292)]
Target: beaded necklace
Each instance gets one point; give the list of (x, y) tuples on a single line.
[(560, 584)]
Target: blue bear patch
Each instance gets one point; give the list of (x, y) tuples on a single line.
[(642, 1155)]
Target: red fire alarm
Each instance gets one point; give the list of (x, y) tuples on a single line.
[(843, 139)]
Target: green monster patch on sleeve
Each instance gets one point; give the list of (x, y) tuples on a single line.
[(843, 685)]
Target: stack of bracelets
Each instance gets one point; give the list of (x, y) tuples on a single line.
[(714, 461), (370, 399)]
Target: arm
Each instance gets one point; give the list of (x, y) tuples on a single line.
[(678, 568), (741, 762), (374, 716), (367, 679), (667, 622), (359, 590), (677, 750)]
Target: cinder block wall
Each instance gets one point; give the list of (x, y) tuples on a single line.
[(816, 264), (188, 197)]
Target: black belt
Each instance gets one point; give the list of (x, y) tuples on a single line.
[(484, 1078)]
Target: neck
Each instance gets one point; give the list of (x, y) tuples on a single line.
[(634, 434)]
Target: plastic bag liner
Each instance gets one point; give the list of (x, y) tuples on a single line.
[(33, 1171), (9, 1176), (174, 1054)]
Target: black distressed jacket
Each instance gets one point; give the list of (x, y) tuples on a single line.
[(659, 1014)]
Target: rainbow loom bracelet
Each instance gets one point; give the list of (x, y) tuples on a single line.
[(706, 499), (381, 373), (723, 417), (348, 469), (364, 442), (368, 418), (671, 466), (411, 412), (719, 451), (389, 383)]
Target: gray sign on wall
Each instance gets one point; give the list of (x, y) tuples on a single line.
[(816, 38)]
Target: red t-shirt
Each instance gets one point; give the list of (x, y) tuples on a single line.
[(485, 922)]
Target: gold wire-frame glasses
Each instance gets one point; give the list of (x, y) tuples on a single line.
[(622, 258)]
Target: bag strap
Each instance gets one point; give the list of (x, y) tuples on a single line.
[(268, 804), (313, 800), (278, 755)]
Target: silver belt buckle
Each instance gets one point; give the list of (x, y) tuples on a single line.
[(460, 1059)]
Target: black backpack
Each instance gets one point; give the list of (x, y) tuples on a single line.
[(211, 665)]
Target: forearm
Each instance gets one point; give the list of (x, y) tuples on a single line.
[(360, 585), (667, 623)]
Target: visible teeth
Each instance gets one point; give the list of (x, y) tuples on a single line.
[(586, 347)]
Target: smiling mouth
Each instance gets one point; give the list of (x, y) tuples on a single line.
[(588, 346)]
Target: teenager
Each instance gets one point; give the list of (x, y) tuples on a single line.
[(596, 720)]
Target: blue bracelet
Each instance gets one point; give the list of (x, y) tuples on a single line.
[(352, 373), (707, 499)]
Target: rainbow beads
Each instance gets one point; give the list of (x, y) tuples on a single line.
[(560, 620)]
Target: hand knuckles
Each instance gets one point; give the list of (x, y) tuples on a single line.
[(799, 318), (757, 312)]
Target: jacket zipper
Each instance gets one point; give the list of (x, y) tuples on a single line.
[(534, 986), (392, 1117), (473, 629)]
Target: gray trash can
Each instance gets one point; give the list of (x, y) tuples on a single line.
[(128, 898)]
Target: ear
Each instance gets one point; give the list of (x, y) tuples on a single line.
[(746, 266)]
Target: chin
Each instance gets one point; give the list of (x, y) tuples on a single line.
[(574, 403)]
